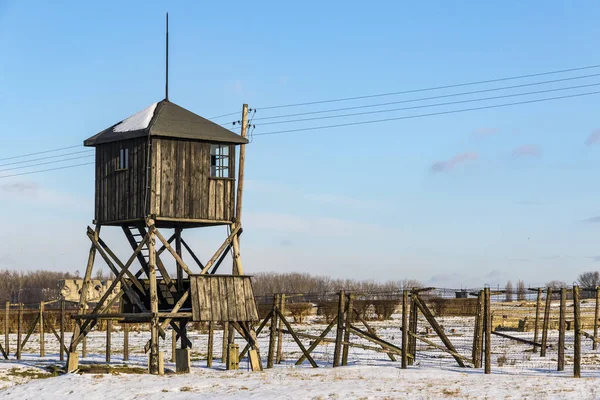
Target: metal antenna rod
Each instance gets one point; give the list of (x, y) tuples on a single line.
[(167, 62)]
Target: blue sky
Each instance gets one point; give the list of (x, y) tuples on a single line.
[(454, 200)]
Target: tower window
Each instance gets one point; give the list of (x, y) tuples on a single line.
[(219, 161), (123, 161)]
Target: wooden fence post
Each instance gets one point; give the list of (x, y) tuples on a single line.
[(84, 347), (108, 338), (279, 356), (42, 336), (478, 331), (19, 330), (230, 342), (7, 327), (125, 342), (273, 332), (211, 335), (577, 338), (225, 348), (596, 317), (62, 330), (488, 332), (412, 327), (546, 322), (173, 345), (349, 321), (538, 306), (340, 329), (561, 330), (404, 329)]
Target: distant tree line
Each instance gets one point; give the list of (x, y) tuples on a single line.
[(268, 283)]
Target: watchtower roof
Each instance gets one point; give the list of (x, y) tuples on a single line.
[(166, 119)]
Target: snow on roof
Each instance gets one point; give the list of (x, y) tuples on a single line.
[(137, 121)]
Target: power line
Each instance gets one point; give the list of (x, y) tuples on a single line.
[(225, 115), (45, 163), (430, 105), (427, 115), (45, 170), (426, 98), (45, 158), (430, 88), (39, 152)]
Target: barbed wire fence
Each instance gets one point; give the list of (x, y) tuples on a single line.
[(537, 331)]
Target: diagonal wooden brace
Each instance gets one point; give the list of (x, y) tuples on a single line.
[(221, 249), (112, 286), (168, 321), (438, 329), (181, 263)]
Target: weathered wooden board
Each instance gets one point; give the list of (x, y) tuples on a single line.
[(221, 298), (120, 193)]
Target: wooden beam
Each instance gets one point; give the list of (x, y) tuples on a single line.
[(478, 332), (546, 322), (319, 339), (516, 339), (168, 320), (173, 252), (327, 340), (577, 338), (82, 331), (404, 329), (371, 331), (561, 330), (237, 260), (296, 339), (596, 318), (133, 243), (192, 254), (442, 348), (220, 250), (488, 331), (84, 288), (340, 329), (375, 339), (437, 328), (154, 356), (220, 260), (538, 307), (107, 254), (258, 331)]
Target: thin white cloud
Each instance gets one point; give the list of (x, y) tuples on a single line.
[(527, 150), (443, 166), (594, 138)]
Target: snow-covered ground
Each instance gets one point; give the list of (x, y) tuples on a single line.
[(284, 382), (518, 372)]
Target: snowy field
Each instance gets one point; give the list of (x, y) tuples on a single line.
[(353, 382), (518, 372)]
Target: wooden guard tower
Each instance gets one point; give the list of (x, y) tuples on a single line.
[(166, 168)]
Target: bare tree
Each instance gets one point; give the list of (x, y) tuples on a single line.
[(589, 279), (509, 292), (521, 291), (556, 286)]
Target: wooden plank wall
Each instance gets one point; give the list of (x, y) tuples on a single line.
[(221, 298), (181, 182), (120, 194)]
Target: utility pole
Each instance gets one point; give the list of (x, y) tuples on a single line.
[(237, 262)]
